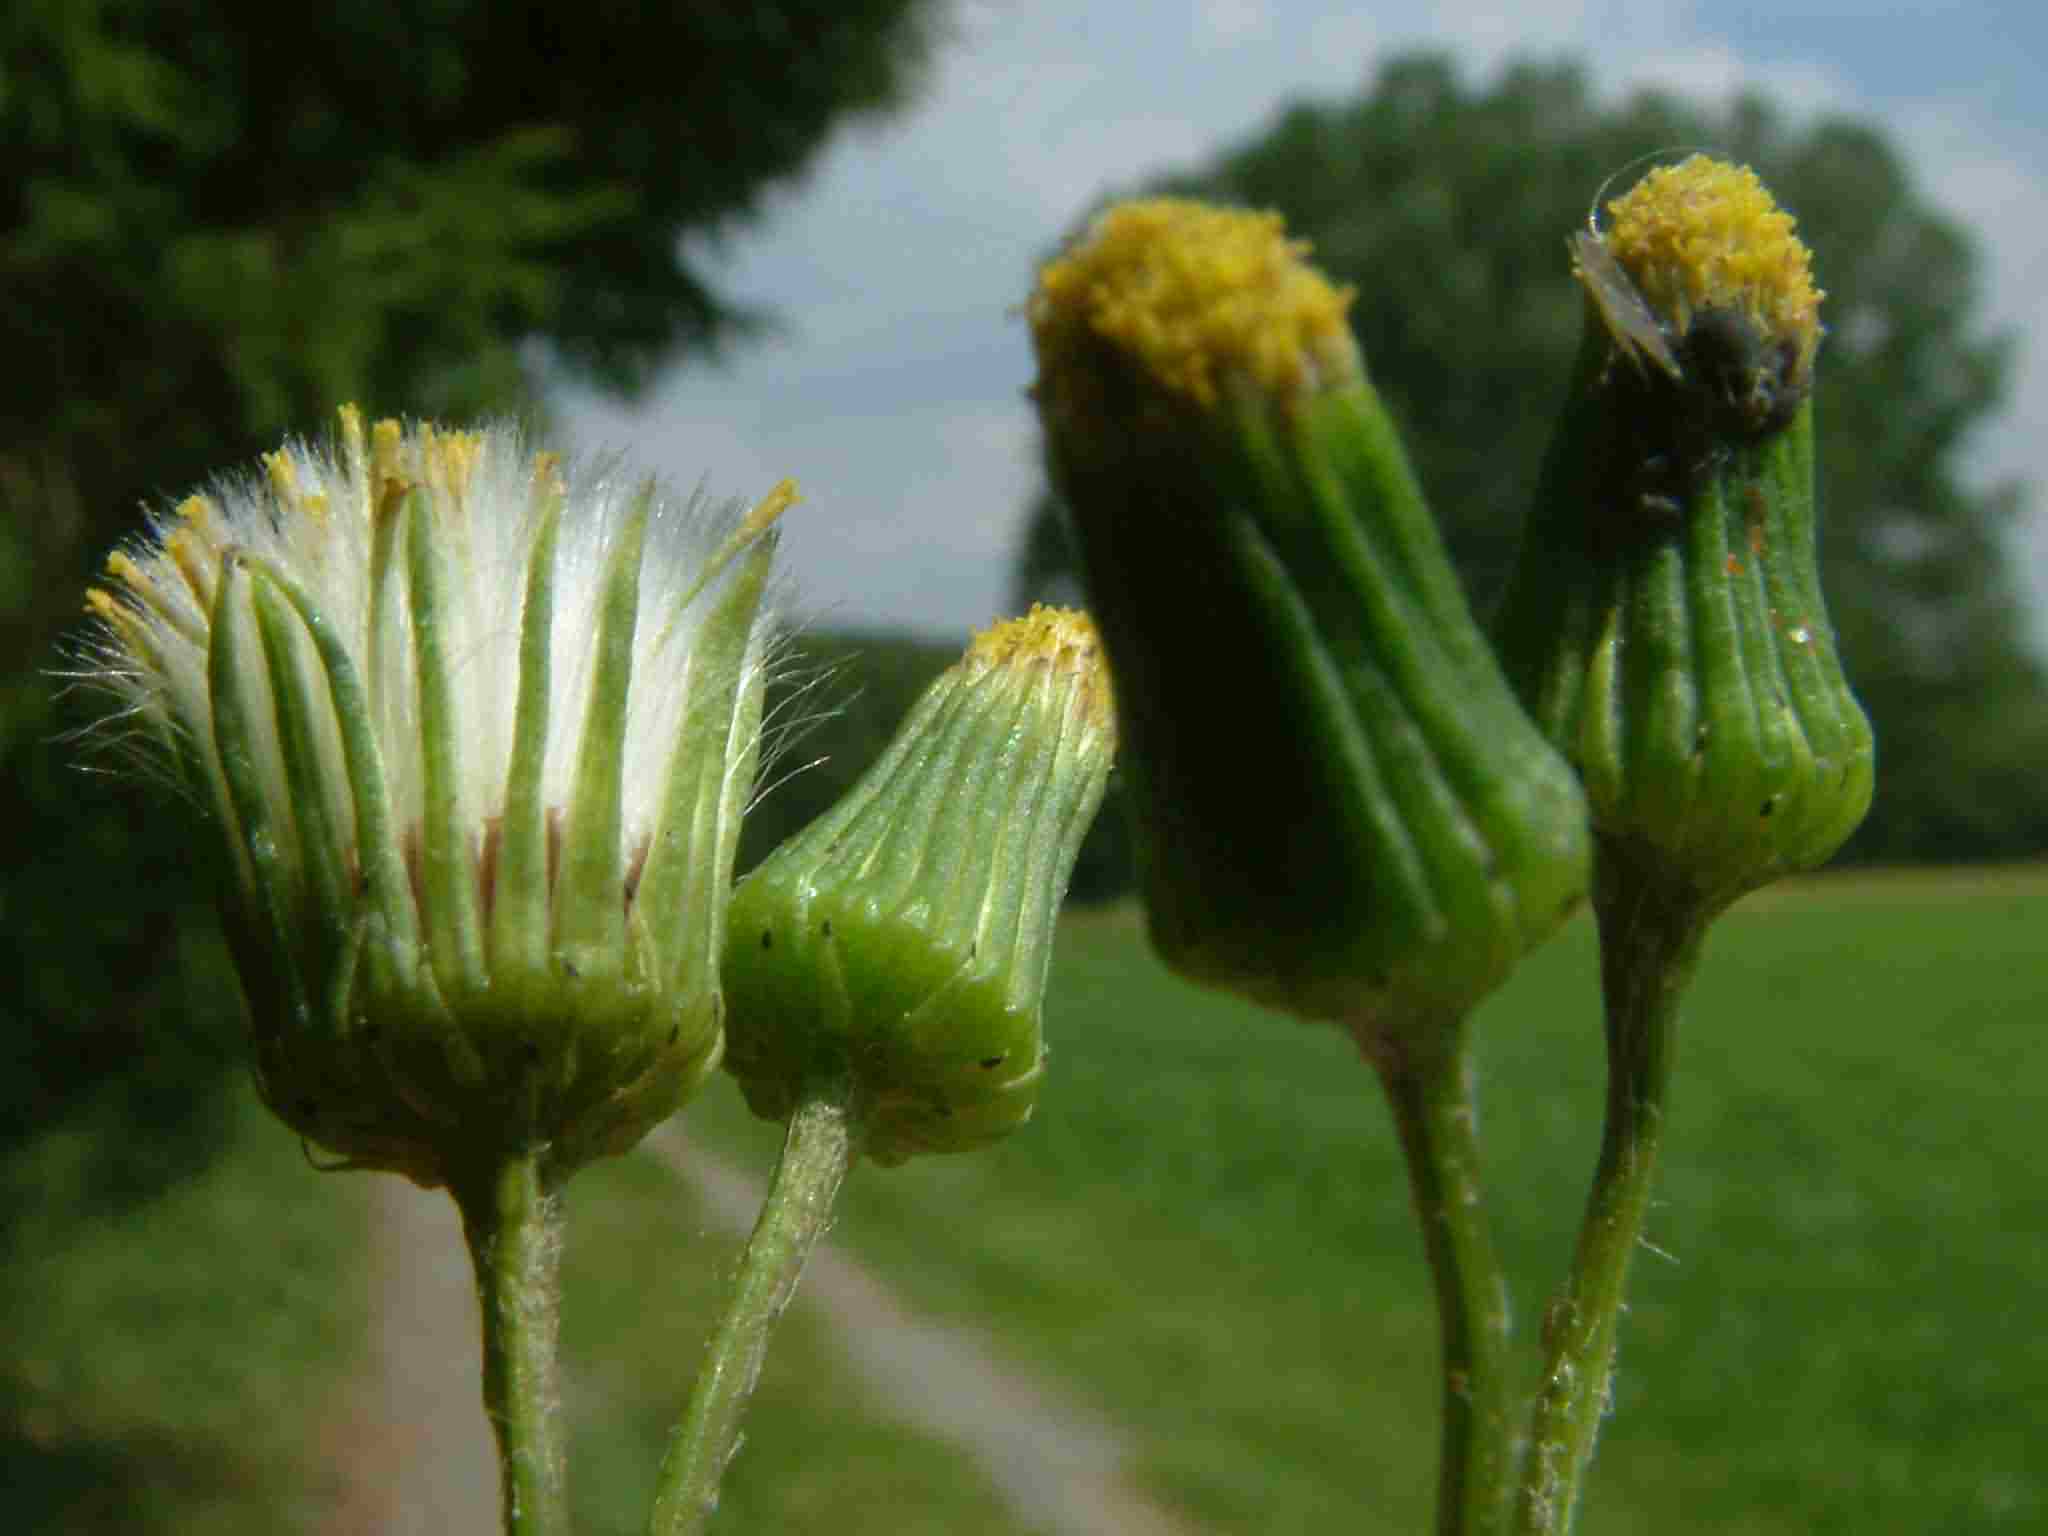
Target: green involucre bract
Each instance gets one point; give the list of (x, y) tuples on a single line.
[(479, 731), (902, 939)]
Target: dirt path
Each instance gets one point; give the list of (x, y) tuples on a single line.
[(412, 1440), (1058, 1464), (414, 1451)]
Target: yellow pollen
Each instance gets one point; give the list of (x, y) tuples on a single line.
[(1704, 234), (284, 479), (387, 445), (124, 570), (1193, 294), (355, 455), (455, 455), (547, 474), (352, 432), (130, 628), (1059, 639), (198, 514), (767, 511), (193, 551)]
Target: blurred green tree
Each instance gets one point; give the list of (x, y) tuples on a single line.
[(1448, 207)]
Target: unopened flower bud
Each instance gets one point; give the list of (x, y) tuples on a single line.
[(479, 730), (902, 939), (1341, 809), (1665, 623)]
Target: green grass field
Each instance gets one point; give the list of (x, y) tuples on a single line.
[(171, 1360), (1206, 1230), (1205, 1237)]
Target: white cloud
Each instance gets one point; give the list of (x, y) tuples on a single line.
[(1346, 42), (923, 542), (1224, 23), (906, 517), (1972, 164), (1486, 35)]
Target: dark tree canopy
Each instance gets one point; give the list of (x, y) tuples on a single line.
[(219, 218), (1448, 207)]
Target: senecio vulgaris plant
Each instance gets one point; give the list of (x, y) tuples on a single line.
[(478, 731), (1373, 831), (478, 728), (1666, 628), (886, 970), (1386, 816)]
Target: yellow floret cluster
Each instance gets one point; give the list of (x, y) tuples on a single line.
[(195, 541), (1193, 294), (1706, 234), (1062, 639)]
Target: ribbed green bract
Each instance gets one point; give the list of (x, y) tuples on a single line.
[(1666, 627), (424, 998), (903, 938), (1341, 810)]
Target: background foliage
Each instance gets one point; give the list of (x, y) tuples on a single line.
[(1447, 206), (220, 218)]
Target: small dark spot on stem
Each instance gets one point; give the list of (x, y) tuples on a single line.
[(767, 939), (1770, 805), (827, 930), (990, 1063)]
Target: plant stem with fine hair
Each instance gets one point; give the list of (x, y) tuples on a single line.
[(817, 1151), (1649, 949), (1429, 1089), (512, 1221)]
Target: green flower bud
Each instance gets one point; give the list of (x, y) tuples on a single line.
[(1665, 623), (1341, 809), (479, 734), (902, 939)]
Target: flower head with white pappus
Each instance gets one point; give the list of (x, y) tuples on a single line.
[(479, 727)]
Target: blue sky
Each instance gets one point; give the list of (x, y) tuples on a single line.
[(893, 390)]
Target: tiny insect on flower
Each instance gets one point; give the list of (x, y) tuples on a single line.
[(1637, 332), (1666, 623)]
